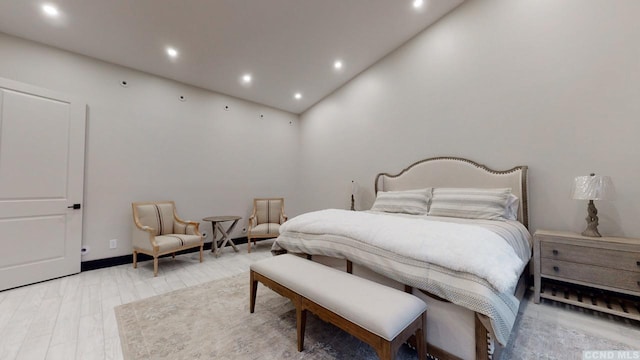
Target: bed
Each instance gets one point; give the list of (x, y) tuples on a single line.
[(472, 282)]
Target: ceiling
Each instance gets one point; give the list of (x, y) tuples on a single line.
[(287, 46)]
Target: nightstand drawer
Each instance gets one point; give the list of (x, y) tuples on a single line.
[(620, 279), (616, 259)]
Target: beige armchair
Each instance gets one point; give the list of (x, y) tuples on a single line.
[(158, 231), (264, 223)]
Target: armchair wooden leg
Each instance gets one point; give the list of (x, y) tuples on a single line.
[(248, 245), (201, 250), (173, 256), (155, 266), (135, 259)]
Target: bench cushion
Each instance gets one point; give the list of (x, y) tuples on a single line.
[(379, 309)]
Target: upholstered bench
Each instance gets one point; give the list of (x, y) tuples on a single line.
[(378, 315)]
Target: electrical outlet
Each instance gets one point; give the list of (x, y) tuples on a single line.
[(85, 250), (204, 235), (113, 243), (244, 230)]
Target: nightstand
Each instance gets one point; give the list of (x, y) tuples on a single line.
[(592, 264)]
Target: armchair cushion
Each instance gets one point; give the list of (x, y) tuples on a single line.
[(170, 242), (268, 210), (184, 228), (157, 216), (265, 229)]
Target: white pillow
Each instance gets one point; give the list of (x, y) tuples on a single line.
[(415, 202), (470, 203), (511, 211)]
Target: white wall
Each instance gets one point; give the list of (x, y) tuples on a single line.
[(551, 84), (144, 144), (546, 83)]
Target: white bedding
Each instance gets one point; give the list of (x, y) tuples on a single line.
[(472, 263), (461, 247)]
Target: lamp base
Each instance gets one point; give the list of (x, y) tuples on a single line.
[(591, 232), (592, 221)]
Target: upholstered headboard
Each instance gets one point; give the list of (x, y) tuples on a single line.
[(458, 172)]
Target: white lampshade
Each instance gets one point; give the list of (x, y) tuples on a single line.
[(592, 187)]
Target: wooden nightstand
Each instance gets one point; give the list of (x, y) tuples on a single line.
[(606, 263)]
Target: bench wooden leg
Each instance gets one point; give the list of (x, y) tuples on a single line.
[(253, 283), (301, 320), (385, 351), (135, 259), (421, 336)]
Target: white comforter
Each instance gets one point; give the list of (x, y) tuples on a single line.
[(460, 247), (429, 259)]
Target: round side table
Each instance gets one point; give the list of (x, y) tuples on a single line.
[(216, 224)]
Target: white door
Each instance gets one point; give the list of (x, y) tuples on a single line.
[(41, 175)]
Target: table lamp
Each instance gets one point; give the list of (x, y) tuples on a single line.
[(591, 187)]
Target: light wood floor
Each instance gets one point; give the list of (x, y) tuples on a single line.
[(72, 317)]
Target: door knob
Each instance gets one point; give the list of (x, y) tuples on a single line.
[(74, 206)]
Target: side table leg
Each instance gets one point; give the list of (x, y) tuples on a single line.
[(214, 242), (225, 235), (229, 230)]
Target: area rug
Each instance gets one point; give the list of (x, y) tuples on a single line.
[(212, 321)]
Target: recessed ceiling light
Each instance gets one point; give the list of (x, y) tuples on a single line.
[(246, 78), (418, 3), (172, 52), (50, 10), (297, 96), (337, 65)]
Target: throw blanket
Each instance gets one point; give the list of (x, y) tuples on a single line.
[(315, 234), (487, 255)]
